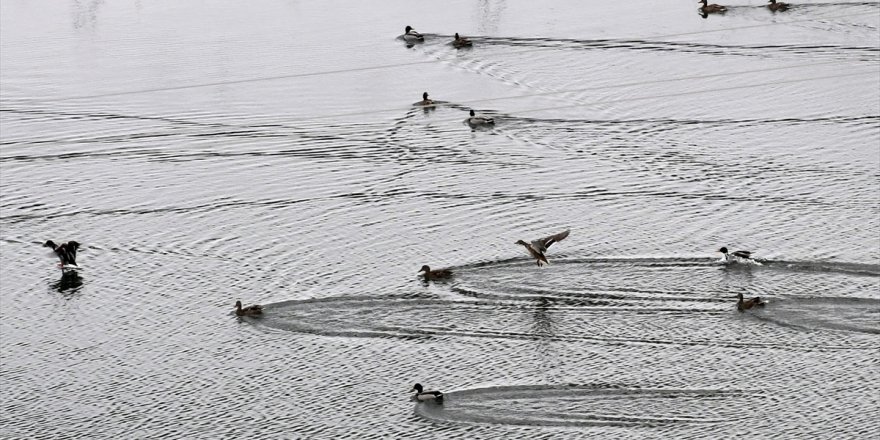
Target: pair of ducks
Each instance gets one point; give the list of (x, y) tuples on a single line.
[(742, 304), (474, 120), (536, 249), (411, 36), (718, 9)]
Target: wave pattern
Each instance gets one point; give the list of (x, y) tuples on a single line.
[(269, 164)]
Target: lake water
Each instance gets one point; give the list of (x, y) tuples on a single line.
[(269, 152)]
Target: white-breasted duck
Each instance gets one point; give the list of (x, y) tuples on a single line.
[(252, 310), (745, 255), (711, 9), (777, 6), (426, 396), (66, 252), (477, 120), (460, 42), (410, 35), (537, 247), (743, 305), (436, 274)]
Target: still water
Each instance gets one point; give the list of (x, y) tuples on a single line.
[(269, 152)]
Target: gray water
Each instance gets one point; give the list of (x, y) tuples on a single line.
[(269, 152)]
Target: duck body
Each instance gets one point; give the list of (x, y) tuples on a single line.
[(426, 396), (777, 7), (66, 252), (436, 274), (745, 304), (478, 120), (411, 36), (743, 255), (537, 247), (460, 42), (711, 8), (425, 101), (253, 310)]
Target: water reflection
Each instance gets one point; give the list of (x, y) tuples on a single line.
[(85, 14), (69, 283)]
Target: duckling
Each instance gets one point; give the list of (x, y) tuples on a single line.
[(66, 252), (437, 274), (253, 310), (711, 9), (410, 35), (777, 7), (459, 42), (475, 120), (426, 396), (742, 305), (746, 255), (425, 101), (537, 247)]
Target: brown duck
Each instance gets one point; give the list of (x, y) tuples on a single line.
[(711, 9), (743, 305), (777, 7), (460, 42), (436, 274), (252, 310), (537, 247)]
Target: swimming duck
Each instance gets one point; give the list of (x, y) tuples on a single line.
[(426, 396), (437, 274), (253, 310), (711, 9), (410, 35), (479, 120), (777, 7), (459, 42), (65, 251), (537, 247), (746, 255), (425, 100), (742, 305)]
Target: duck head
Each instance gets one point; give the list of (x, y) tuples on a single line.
[(739, 296), (417, 388), (704, 2), (408, 28), (472, 113), (49, 244), (723, 250), (521, 242), (457, 37), (426, 269), (425, 96), (238, 305)]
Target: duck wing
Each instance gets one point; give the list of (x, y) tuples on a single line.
[(742, 254), (542, 244), (70, 249)]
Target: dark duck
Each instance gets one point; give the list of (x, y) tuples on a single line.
[(66, 252)]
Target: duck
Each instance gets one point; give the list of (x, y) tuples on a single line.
[(436, 274), (745, 255), (252, 310), (425, 101), (479, 120), (460, 42), (743, 305), (65, 251), (777, 7), (711, 9), (426, 396), (537, 247), (410, 35)]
